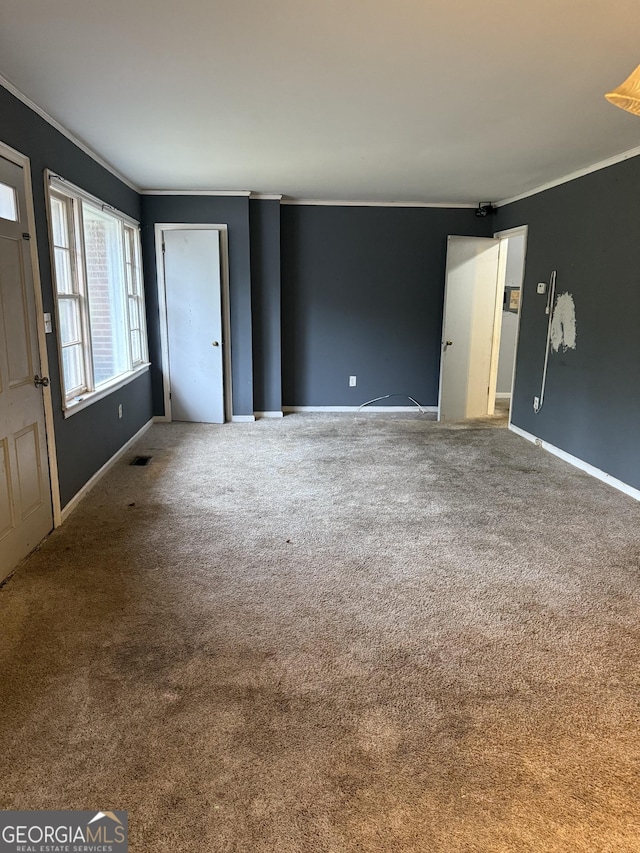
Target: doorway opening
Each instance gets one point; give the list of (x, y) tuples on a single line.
[(513, 246), (481, 316), (195, 328)]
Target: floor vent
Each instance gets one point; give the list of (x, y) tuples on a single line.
[(140, 460)]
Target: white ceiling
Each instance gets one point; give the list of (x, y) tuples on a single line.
[(415, 100)]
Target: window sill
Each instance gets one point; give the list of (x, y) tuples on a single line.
[(91, 397)]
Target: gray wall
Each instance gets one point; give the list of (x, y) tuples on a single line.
[(589, 231), (213, 210), (89, 438), (362, 294), (264, 219)]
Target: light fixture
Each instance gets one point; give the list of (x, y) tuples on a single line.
[(484, 208), (627, 95)]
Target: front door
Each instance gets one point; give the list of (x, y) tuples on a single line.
[(25, 493), (471, 308), (194, 324)]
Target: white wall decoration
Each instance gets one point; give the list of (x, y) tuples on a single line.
[(563, 324)]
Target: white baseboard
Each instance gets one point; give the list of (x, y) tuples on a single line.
[(84, 491), (235, 419), (503, 395), (388, 409), (579, 463)]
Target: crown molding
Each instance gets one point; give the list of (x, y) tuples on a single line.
[(83, 146), (595, 167), (225, 193), (338, 203), (26, 100)]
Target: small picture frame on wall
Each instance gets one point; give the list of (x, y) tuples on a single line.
[(512, 299)]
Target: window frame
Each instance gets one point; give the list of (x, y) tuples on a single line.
[(73, 198)]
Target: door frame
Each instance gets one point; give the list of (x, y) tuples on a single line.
[(159, 229), (497, 325), (517, 231), (52, 459)]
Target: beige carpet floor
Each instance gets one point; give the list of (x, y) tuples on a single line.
[(330, 634)]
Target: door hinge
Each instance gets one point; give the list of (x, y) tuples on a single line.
[(163, 249), (26, 236)]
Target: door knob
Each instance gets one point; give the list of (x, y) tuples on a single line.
[(215, 344), (40, 381)]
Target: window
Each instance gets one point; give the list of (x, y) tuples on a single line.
[(99, 295), (8, 203)]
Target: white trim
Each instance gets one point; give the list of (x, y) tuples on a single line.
[(60, 184), (513, 232), (336, 203), (23, 161), (503, 395), (84, 491), (277, 414), (265, 197), (91, 397), (13, 89), (501, 278), (243, 419), (578, 463), (363, 409), (232, 193), (161, 419), (223, 231), (579, 173)]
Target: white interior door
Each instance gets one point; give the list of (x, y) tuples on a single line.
[(25, 494), (471, 305), (194, 324)]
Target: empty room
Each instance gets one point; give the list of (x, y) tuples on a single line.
[(319, 469)]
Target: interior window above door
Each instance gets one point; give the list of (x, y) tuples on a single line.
[(8, 203)]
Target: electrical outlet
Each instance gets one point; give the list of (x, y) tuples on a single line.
[(352, 382), (542, 287), (120, 410), (536, 404)]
